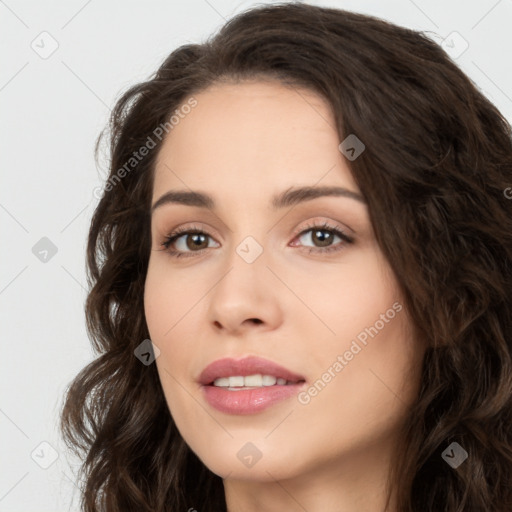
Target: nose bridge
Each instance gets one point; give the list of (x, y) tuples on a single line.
[(248, 237), (250, 240), (250, 249), (244, 292), (246, 265)]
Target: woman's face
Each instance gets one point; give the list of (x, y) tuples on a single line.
[(301, 284)]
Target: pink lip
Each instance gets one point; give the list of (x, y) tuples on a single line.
[(249, 400), (246, 366)]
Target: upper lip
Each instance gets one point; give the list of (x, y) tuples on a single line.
[(251, 365)]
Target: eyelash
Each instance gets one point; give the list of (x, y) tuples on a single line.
[(178, 233)]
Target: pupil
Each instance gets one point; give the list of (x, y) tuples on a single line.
[(324, 240), (196, 238)]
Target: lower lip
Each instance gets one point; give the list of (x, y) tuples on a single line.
[(248, 401)]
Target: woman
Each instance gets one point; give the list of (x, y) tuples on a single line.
[(300, 272)]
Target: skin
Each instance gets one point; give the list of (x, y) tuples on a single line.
[(242, 144)]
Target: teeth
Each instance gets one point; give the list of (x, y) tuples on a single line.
[(223, 382), (235, 382), (268, 380), (257, 380), (250, 380)]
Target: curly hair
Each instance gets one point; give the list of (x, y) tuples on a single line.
[(438, 159)]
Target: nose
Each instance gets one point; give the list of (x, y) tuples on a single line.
[(245, 298)]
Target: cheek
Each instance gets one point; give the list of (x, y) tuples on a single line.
[(174, 303), (348, 298), (159, 303), (167, 304), (168, 298)]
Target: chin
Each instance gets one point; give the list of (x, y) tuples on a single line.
[(243, 461)]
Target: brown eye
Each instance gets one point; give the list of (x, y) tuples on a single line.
[(186, 242), (323, 238), (196, 241)]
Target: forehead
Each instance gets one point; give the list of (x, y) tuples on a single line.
[(259, 134)]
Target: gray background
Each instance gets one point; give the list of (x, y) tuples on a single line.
[(53, 107)]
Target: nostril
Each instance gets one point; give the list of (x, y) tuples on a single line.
[(256, 320)]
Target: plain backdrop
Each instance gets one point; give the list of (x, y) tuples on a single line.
[(63, 64)]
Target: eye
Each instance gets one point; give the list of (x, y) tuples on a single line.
[(183, 242), (190, 242), (323, 235)]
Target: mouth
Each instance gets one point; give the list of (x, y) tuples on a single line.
[(257, 380), (248, 385), (247, 372)]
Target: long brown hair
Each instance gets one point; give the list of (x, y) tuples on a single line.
[(437, 163)]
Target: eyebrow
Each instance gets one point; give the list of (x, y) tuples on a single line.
[(289, 197)]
